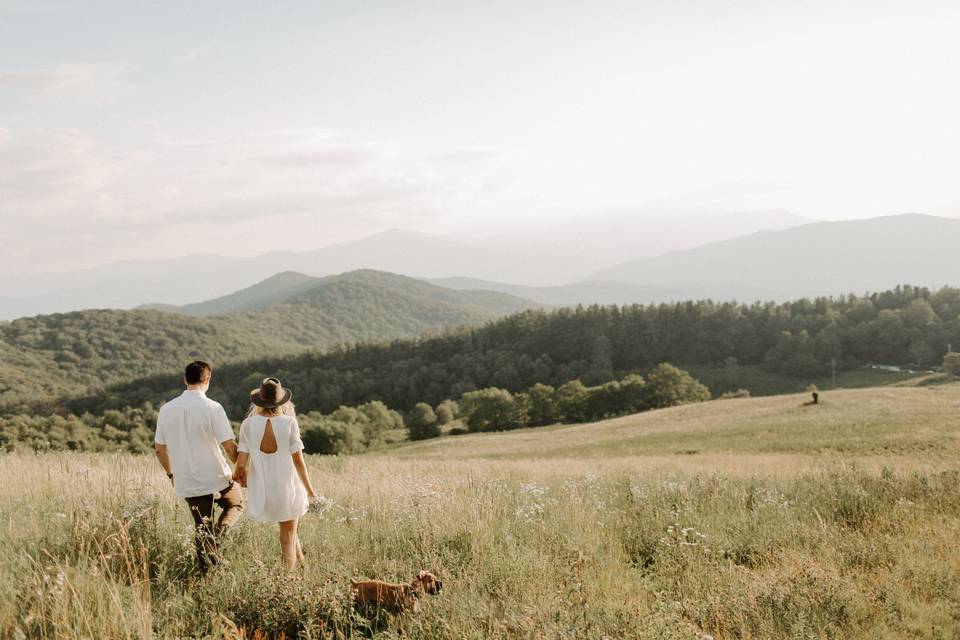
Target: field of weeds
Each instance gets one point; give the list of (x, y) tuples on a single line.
[(721, 534)]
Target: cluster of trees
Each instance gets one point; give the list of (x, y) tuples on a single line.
[(354, 429), (346, 430), (128, 430), (496, 409), (426, 423), (597, 344)]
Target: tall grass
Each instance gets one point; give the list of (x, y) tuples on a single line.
[(97, 547)]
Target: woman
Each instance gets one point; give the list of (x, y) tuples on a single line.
[(270, 464)]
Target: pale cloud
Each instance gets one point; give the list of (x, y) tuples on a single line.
[(335, 120), (97, 81), (327, 157), (43, 173), (92, 202)]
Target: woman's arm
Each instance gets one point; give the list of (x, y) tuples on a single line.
[(240, 468), (242, 456), (301, 467)]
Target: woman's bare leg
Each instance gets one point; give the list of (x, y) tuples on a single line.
[(289, 543)]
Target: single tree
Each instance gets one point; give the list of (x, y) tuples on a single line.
[(423, 422), (572, 401), (543, 405), (490, 410), (668, 386)]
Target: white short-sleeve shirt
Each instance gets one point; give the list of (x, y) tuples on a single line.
[(192, 426)]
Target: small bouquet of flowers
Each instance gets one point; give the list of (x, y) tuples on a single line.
[(320, 504)]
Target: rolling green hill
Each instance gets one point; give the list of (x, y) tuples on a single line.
[(273, 290), (765, 348), (291, 289), (46, 357)]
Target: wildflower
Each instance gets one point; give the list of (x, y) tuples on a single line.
[(531, 504), (321, 504)]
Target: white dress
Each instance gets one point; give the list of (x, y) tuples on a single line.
[(274, 490)]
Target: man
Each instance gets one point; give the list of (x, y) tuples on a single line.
[(191, 429)]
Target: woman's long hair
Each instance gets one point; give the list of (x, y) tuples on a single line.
[(286, 409)]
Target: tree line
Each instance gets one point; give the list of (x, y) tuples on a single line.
[(498, 410), (354, 429), (596, 344)]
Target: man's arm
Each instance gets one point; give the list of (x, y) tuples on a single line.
[(164, 459), (224, 432), (231, 448)]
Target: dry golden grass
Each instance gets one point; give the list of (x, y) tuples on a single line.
[(754, 518)]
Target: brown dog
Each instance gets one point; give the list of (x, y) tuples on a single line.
[(393, 597)]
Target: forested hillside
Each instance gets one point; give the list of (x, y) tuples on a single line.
[(290, 290), (71, 353), (59, 355), (273, 290), (798, 339)]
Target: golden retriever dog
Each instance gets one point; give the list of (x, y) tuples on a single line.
[(394, 597)]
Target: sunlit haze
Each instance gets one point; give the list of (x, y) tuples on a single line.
[(132, 130)]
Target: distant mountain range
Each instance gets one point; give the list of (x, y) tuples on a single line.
[(605, 292), (822, 258), (808, 260), (48, 356), (549, 255), (586, 292)]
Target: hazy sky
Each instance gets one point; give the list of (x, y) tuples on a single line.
[(132, 129)]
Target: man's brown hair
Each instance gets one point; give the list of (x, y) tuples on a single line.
[(197, 372)]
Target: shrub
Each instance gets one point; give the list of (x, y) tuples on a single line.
[(327, 435), (951, 363), (668, 386), (448, 411), (739, 393), (423, 422), (376, 419)]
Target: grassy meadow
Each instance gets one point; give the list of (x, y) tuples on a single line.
[(742, 518)]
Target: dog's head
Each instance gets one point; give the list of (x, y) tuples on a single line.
[(427, 582)]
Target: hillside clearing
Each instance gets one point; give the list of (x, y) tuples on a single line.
[(903, 425)]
